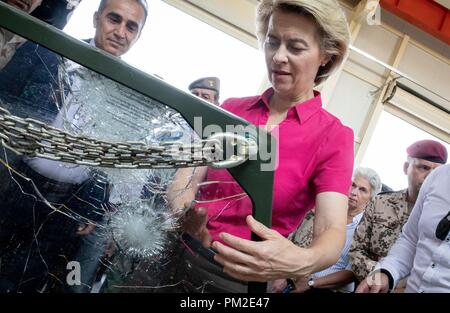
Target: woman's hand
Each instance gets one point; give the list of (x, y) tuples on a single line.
[(181, 193), (272, 258), (194, 223)]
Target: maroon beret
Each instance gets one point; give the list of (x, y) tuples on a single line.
[(428, 150)]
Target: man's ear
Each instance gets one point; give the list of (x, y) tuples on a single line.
[(405, 168), (96, 19), (140, 32)]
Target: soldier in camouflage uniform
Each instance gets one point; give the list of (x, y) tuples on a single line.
[(384, 218)]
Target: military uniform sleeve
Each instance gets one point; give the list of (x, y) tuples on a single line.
[(303, 235), (359, 253), (400, 259)]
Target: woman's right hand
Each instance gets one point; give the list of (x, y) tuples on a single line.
[(194, 223)]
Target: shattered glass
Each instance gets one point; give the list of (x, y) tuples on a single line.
[(67, 227)]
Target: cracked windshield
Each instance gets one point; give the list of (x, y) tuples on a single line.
[(97, 179)]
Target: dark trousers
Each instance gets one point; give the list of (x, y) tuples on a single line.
[(37, 241), (90, 253)]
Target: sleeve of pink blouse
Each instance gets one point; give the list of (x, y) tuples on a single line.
[(228, 105), (335, 161)]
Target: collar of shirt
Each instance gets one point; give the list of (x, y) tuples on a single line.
[(92, 43), (356, 219), (302, 111)]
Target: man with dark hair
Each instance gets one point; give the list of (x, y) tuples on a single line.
[(36, 242), (423, 248), (143, 3), (119, 24), (384, 218)]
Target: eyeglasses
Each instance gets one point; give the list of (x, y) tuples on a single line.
[(443, 227)]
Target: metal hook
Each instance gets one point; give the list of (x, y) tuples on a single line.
[(242, 149)]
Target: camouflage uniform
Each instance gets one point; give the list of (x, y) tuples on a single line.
[(378, 230), (303, 235), (9, 43)]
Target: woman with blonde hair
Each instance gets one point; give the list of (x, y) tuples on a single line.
[(304, 41)]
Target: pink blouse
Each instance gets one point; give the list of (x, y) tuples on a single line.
[(315, 154)]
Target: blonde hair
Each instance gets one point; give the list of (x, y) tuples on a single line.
[(334, 35)]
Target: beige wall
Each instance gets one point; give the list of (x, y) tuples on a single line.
[(356, 92)]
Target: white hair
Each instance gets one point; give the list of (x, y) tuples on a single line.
[(372, 177)]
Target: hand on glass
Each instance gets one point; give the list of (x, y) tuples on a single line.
[(194, 223), (272, 258)]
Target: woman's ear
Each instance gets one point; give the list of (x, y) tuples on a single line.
[(325, 60)]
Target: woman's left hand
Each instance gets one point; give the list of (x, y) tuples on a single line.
[(272, 258)]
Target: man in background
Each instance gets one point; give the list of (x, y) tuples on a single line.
[(423, 249), (207, 88), (30, 260), (384, 218)]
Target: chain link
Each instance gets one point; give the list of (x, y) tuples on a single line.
[(26, 136)]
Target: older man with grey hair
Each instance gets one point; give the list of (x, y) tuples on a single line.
[(366, 184)]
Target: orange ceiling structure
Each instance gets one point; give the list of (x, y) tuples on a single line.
[(428, 15)]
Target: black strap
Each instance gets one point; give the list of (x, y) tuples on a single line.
[(389, 275), (443, 227)]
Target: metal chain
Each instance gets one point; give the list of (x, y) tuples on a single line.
[(26, 136)]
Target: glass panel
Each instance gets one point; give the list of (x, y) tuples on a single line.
[(82, 227), (182, 54)]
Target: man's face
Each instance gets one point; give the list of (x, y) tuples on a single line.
[(119, 25), (24, 5), (417, 170), (206, 94)]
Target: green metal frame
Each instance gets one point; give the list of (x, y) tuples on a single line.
[(258, 184)]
